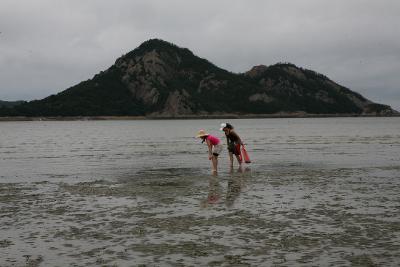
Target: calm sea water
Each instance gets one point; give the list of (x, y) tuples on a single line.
[(318, 192)]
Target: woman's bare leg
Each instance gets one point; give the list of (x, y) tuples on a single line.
[(238, 159), (231, 158)]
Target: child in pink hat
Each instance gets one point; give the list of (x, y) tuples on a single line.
[(214, 148)]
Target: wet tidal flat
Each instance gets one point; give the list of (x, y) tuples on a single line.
[(105, 194)]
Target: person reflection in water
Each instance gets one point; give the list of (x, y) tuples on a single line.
[(236, 183), (214, 192)]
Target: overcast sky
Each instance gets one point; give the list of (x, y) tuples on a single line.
[(47, 46)]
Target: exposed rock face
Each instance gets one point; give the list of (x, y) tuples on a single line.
[(292, 70), (143, 74), (261, 97), (324, 97), (256, 71), (210, 83), (149, 76), (177, 104), (378, 110)]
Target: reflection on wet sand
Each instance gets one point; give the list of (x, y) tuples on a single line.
[(291, 218), (214, 192), (235, 184)]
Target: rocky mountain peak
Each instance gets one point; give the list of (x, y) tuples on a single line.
[(146, 70), (256, 71), (163, 48), (160, 75)]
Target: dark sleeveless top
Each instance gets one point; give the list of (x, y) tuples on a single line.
[(232, 138)]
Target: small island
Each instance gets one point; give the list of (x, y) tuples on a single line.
[(159, 80)]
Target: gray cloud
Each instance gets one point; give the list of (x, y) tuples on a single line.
[(48, 45)]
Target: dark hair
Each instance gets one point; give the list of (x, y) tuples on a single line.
[(229, 126)]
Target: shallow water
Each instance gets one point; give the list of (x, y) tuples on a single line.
[(140, 193)]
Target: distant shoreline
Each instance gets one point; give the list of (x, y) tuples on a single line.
[(192, 117)]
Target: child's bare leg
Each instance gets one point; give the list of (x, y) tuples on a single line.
[(239, 160), (231, 158), (215, 163)]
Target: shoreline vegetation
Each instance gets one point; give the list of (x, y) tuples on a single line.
[(193, 117)]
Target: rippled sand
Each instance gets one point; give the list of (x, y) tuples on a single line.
[(290, 216)]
